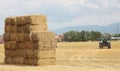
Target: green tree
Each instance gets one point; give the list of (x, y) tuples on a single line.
[(95, 35), (82, 36), (117, 35), (87, 34), (71, 36)]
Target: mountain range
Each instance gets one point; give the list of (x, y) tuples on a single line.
[(112, 28)]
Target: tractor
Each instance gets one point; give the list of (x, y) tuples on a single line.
[(104, 41)]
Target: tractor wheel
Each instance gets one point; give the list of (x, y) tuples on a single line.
[(100, 46), (109, 46)]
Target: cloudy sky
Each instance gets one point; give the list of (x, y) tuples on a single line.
[(63, 13)]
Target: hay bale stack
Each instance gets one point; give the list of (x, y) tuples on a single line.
[(28, 42)]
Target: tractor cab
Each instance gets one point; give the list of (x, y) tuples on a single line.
[(104, 41)]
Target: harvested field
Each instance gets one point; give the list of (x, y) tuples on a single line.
[(75, 56)]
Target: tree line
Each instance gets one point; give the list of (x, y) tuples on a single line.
[(85, 36), (81, 36)]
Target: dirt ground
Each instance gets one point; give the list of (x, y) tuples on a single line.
[(75, 56)]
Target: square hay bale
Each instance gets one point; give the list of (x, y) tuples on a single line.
[(31, 28), (27, 36), (13, 29), (10, 29), (20, 52), (43, 28), (18, 60), (7, 52), (28, 61), (7, 21), (10, 45), (13, 36), (20, 20), (28, 44), (6, 36), (43, 45), (44, 62), (8, 60), (7, 29), (10, 53), (29, 53), (37, 45), (20, 37), (15, 53), (21, 45), (50, 36), (14, 60), (21, 29), (35, 19), (49, 44), (13, 20), (42, 36), (51, 53), (35, 37), (10, 21), (39, 36)]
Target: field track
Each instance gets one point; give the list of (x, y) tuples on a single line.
[(76, 56)]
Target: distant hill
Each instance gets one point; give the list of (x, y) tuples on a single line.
[(112, 28)]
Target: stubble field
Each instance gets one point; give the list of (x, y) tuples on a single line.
[(75, 56)]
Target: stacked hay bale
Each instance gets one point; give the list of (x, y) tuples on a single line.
[(28, 42)]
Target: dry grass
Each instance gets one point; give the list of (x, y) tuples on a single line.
[(76, 56)]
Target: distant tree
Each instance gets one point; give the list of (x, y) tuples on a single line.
[(83, 36), (117, 35), (71, 36), (87, 34), (95, 35)]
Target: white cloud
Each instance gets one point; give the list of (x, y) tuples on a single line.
[(100, 20), (77, 12), (104, 19)]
